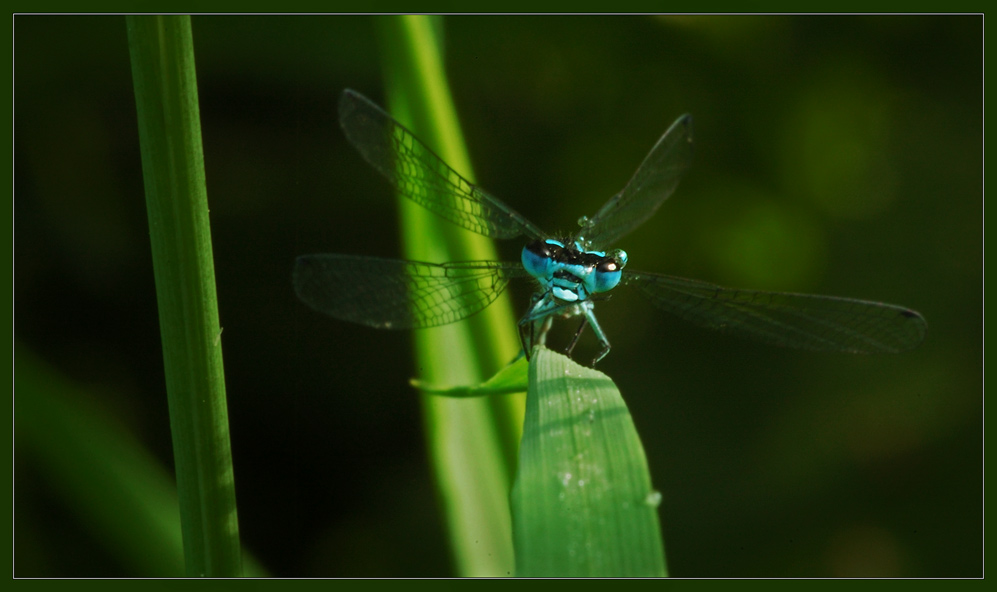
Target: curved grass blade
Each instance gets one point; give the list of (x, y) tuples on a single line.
[(799, 321), (655, 180), (105, 476), (582, 502), (422, 176), (398, 294), (509, 380), (110, 483)]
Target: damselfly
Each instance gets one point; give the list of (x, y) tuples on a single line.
[(571, 272)]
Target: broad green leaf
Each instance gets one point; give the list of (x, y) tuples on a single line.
[(582, 502)]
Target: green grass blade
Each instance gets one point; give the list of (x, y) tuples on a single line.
[(103, 475), (162, 57), (582, 503), (472, 442), (99, 470), (510, 380)]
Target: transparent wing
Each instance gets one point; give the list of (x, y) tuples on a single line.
[(422, 176), (654, 181), (398, 294), (800, 321)]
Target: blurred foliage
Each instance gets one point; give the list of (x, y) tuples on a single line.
[(839, 155)]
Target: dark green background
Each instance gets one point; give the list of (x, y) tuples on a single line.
[(835, 155)]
